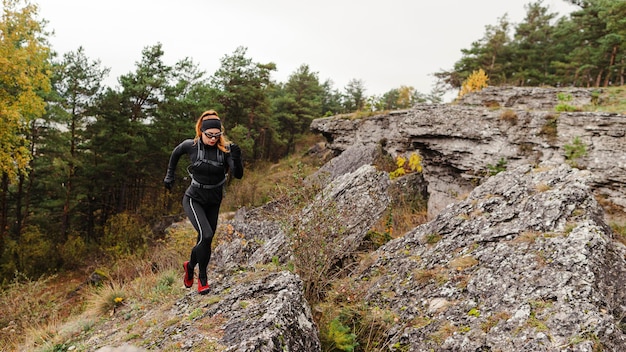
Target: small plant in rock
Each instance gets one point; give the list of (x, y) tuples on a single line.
[(497, 168), (474, 312), (574, 151), (620, 232), (446, 330), (405, 166), (354, 321), (340, 337), (563, 105), (433, 238), (493, 320), (549, 128), (462, 263), (510, 116)]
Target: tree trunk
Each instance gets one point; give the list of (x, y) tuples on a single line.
[(607, 79), (65, 219), (621, 74), (18, 207), (3, 209), (598, 78)]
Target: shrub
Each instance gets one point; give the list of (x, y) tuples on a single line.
[(475, 82), (563, 105), (124, 236), (338, 337), (574, 151), (73, 252), (549, 129), (33, 254), (509, 116), (414, 164), (498, 167)]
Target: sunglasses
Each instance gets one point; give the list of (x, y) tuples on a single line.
[(212, 135)]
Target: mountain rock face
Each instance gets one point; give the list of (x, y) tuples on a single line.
[(525, 262), (522, 260), (496, 128)]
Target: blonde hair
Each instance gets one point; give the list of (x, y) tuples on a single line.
[(211, 114)]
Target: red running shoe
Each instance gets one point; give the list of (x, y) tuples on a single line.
[(203, 289), (188, 280)]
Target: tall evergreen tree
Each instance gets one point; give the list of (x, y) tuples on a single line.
[(613, 43), (331, 99), (491, 53), (588, 54), (242, 85), (354, 95), (299, 105), (78, 83), (533, 48)]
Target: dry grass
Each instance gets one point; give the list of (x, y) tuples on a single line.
[(494, 319), (542, 187), (619, 232), (262, 183), (31, 305), (445, 330), (462, 263), (526, 237), (612, 99), (39, 314), (509, 115), (437, 275)]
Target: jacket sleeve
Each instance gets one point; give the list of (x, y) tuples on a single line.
[(174, 157), (236, 166)]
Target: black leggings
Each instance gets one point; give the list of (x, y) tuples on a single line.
[(204, 220)]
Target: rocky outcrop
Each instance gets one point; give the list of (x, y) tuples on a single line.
[(530, 98), (255, 312), (525, 262), (462, 144), (351, 203)]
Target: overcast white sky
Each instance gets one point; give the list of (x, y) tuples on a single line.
[(386, 44)]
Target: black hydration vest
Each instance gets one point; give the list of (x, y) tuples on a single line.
[(201, 159)]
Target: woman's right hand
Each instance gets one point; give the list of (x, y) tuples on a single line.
[(168, 182)]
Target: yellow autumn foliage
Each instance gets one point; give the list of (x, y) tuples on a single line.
[(24, 75), (475, 82), (414, 164)]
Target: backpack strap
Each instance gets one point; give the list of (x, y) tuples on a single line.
[(199, 160), (197, 184)]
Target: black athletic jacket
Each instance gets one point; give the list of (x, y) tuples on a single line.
[(207, 170)]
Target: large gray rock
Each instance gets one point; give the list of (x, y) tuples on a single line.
[(343, 211), (266, 314), (348, 161), (525, 262), (244, 312), (253, 236), (461, 145)]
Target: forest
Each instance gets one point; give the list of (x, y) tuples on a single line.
[(83, 164)]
